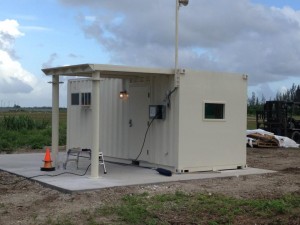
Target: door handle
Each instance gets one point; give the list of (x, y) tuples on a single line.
[(130, 123)]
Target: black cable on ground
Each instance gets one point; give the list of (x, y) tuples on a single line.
[(47, 175)]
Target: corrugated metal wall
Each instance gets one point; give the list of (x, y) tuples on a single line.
[(114, 117), (164, 133), (111, 116), (79, 117)]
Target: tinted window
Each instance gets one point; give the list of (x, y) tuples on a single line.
[(75, 99), (214, 111)]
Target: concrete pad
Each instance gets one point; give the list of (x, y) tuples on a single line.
[(28, 165)]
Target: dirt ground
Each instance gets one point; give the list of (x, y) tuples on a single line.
[(30, 203)]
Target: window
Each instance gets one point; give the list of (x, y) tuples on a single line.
[(214, 111), (75, 99), (86, 98)]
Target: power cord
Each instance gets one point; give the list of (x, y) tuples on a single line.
[(47, 175), (168, 97), (169, 105), (145, 137)]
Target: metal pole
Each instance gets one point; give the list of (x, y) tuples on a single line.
[(55, 119), (176, 45), (176, 35), (96, 125)]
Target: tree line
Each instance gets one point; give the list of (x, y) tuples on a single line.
[(291, 95)]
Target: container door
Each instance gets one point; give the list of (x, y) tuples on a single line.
[(138, 120)]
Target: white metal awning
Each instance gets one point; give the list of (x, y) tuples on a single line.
[(107, 71)]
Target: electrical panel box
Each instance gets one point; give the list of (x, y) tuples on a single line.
[(157, 112)]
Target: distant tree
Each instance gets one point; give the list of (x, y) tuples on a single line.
[(289, 95), (297, 94), (251, 101), (293, 91), (16, 106), (254, 104), (263, 99)]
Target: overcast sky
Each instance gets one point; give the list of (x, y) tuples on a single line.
[(260, 38)]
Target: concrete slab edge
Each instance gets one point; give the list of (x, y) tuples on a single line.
[(68, 191), (44, 184)]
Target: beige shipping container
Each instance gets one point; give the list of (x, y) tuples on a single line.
[(203, 129)]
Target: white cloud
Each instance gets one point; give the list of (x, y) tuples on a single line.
[(35, 28), (12, 71), (50, 61), (10, 27), (290, 14), (8, 33), (14, 79), (283, 90), (90, 18), (226, 35)]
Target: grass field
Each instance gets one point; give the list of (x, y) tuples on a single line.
[(28, 130), (36, 115), (251, 122)]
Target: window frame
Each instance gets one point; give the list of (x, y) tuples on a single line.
[(223, 103), (77, 100), (86, 98)]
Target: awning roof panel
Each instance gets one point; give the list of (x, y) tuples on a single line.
[(106, 71)]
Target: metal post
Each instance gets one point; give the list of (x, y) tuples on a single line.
[(178, 4), (55, 119), (96, 125), (176, 81)]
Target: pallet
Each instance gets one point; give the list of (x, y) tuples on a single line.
[(264, 140)]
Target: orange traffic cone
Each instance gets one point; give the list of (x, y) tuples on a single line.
[(47, 162)]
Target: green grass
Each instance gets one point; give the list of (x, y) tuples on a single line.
[(196, 208), (200, 208), (251, 122)]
